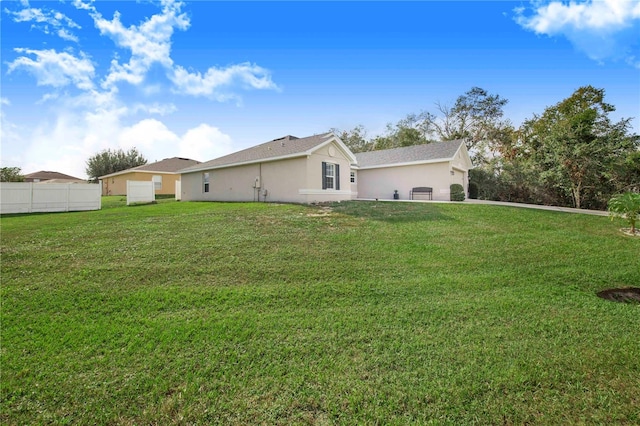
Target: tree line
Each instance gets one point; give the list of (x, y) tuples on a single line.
[(572, 154)]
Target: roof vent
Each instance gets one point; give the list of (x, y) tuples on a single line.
[(285, 138)]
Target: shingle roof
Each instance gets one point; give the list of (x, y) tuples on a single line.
[(288, 146), (168, 165), (409, 154), (45, 175)]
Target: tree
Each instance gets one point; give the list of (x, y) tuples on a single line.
[(355, 139), (11, 174), (408, 131), (476, 117), (110, 161), (575, 147)]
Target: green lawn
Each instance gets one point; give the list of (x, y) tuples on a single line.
[(372, 313)]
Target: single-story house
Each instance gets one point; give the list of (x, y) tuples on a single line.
[(288, 169), (321, 168), (44, 176), (435, 165), (163, 173)]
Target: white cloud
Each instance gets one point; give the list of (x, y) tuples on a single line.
[(71, 126), (149, 43), (204, 143), (42, 19), (201, 143), (149, 135), (215, 80), (56, 69), (68, 140), (603, 29)]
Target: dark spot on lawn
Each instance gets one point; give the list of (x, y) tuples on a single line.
[(624, 295)]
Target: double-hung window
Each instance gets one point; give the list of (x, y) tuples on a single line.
[(205, 182), (330, 176)]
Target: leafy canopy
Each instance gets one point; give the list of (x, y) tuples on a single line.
[(574, 145), (11, 174), (111, 161)]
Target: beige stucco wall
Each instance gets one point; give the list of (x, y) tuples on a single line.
[(117, 185), (313, 191), (230, 184), (296, 180), (381, 182)]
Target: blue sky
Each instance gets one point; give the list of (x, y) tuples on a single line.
[(203, 79)]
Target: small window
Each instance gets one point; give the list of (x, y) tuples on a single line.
[(353, 177), (205, 181), (330, 176), (157, 182)]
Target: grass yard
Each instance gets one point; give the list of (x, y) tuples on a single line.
[(369, 313)]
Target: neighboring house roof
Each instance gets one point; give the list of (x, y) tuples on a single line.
[(44, 182), (427, 153), (45, 175), (168, 165), (277, 149)]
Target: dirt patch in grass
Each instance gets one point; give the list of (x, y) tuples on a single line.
[(321, 212), (625, 295)]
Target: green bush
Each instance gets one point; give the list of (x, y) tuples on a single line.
[(473, 190), (626, 206), (456, 192)]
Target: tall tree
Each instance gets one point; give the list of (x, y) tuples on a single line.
[(111, 161), (576, 148), (11, 174), (475, 117)]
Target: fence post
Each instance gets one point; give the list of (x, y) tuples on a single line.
[(30, 209)]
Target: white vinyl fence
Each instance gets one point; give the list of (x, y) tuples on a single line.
[(140, 192), (29, 197), (178, 190)]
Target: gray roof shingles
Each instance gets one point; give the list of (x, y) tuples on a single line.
[(168, 165), (46, 175), (288, 146), (409, 154)]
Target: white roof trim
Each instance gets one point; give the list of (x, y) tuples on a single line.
[(245, 163), (124, 172), (410, 163)]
